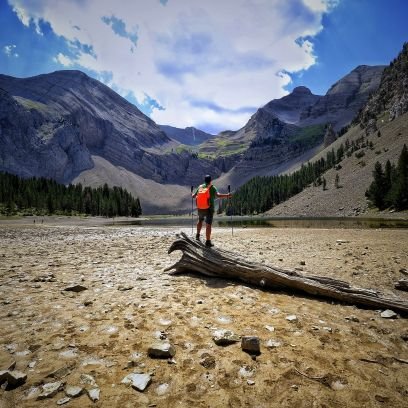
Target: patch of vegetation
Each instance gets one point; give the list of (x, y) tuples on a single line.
[(309, 136), (30, 104)]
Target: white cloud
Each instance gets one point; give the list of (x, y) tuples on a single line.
[(10, 50), (64, 60), (202, 61)]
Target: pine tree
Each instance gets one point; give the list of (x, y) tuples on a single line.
[(400, 185), (376, 192)]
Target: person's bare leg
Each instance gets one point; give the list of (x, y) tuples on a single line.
[(199, 226), (208, 232)]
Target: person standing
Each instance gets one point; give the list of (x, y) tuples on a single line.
[(205, 195)]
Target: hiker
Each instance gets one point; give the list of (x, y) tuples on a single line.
[(205, 196)]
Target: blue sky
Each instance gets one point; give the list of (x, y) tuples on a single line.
[(206, 64)]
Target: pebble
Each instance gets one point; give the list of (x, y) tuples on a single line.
[(161, 350), (73, 391), (94, 394), (353, 319), (292, 318), (48, 390), (225, 337), (75, 288), (123, 288), (270, 328), (273, 343), (138, 381), (63, 401), (388, 314), (251, 344)]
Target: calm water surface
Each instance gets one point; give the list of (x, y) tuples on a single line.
[(243, 222)]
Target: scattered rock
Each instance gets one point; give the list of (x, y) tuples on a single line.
[(404, 271), (88, 302), (48, 390), (162, 389), (75, 288), (123, 288), (138, 381), (13, 378), (353, 319), (250, 382), (94, 394), (402, 284), (388, 314), (302, 263), (342, 241), (225, 337), (60, 372), (161, 350), (251, 345), (207, 361), (292, 318), (269, 328), (63, 401), (87, 379), (273, 343), (73, 391)]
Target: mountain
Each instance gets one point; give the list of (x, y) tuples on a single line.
[(378, 133), (72, 128), (188, 136), (344, 99), (289, 108)]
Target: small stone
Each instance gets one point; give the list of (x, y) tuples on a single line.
[(251, 345), (60, 372), (225, 337), (207, 361), (302, 263), (48, 390), (270, 328), (75, 288), (353, 319), (388, 314), (404, 271), (94, 394), (328, 329), (87, 379), (63, 401), (73, 391), (161, 350), (402, 284), (292, 318), (138, 381), (88, 302), (123, 288), (342, 241), (250, 382), (273, 344)]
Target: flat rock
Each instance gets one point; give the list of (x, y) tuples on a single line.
[(73, 391), (161, 350), (273, 343), (87, 379), (402, 284), (94, 394), (207, 361), (75, 288), (48, 390), (138, 381), (388, 314), (251, 344), (225, 337), (292, 318), (13, 378), (123, 288), (63, 401)]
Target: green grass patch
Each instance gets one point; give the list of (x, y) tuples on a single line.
[(30, 104)]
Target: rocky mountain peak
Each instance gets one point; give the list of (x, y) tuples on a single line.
[(301, 90)]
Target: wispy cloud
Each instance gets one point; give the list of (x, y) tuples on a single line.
[(10, 50), (187, 62)]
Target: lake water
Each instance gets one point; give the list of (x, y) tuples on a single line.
[(244, 222)]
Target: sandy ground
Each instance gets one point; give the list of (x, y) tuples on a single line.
[(332, 356)]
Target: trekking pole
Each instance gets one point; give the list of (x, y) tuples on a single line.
[(192, 220), (230, 205)]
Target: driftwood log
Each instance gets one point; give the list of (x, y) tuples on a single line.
[(228, 265)]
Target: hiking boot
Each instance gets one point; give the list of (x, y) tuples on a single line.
[(197, 237), (209, 244)]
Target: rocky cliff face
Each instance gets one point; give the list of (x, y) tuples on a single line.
[(289, 108), (344, 99), (52, 124), (392, 94)]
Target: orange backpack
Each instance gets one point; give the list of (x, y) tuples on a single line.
[(203, 197)]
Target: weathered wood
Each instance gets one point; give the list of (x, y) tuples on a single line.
[(228, 265)]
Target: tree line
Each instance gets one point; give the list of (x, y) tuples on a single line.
[(40, 196), (389, 187)]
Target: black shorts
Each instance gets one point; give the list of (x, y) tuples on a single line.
[(207, 214)]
